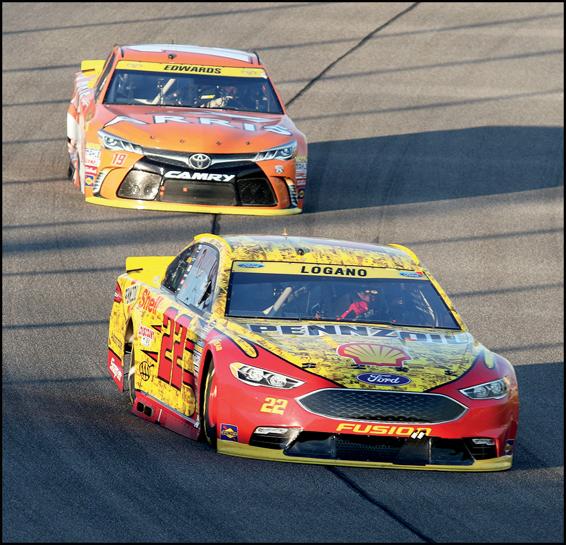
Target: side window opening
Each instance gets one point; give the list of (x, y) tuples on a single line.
[(104, 75), (178, 269), (197, 287)]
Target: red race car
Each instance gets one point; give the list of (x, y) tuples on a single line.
[(310, 350)]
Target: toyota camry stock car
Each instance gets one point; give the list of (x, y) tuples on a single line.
[(310, 350), (184, 128)]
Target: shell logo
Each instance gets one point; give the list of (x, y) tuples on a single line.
[(373, 354)]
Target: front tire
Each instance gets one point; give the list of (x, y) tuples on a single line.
[(209, 427)]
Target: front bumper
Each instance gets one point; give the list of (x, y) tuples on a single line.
[(246, 451), (203, 208), (234, 188)]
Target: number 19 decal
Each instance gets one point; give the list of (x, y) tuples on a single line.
[(273, 405)]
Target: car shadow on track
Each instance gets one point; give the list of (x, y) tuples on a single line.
[(430, 166), (540, 440)]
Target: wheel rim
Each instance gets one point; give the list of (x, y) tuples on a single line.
[(208, 412)]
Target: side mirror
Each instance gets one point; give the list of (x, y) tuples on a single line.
[(92, 67)]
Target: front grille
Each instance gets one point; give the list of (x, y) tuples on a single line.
[(176, 158), (481, 452), (394, 450), (381, 406), (196, 192), (249, 186)]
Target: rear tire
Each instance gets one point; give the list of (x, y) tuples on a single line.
[(130, 375), (208, 427)]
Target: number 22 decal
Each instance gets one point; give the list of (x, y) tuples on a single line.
[(273, 405), (173, 345)]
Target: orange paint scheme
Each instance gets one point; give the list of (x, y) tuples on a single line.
[(133, 152)]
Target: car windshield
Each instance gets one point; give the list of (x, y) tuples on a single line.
[(336, 293), (246, 94)]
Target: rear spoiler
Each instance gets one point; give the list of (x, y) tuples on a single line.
[(149, 269), (407, 251)]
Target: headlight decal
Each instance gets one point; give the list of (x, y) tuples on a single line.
[(284, 152), (496, 389), (112, 142), (255, 376)]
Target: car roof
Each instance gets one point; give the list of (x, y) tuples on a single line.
[(189, 54), (311, 250)]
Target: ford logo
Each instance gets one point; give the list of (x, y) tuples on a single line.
[(383, 379), (199, 161)]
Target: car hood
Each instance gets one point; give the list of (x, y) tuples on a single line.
[(198, 130), (363, 356)]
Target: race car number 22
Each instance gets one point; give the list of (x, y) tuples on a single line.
[(273, 405), (173, 345)]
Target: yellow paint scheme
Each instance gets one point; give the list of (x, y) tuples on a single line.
[(147, 307), (205, 209), (246, 451)]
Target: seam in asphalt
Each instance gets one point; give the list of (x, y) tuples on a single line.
[(361, 492), (351, 50)]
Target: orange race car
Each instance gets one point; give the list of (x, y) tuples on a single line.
[(184, 128)]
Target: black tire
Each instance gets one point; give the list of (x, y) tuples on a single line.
[(130, 374), (208, 429)]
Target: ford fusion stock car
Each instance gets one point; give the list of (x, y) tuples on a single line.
[(184, 128), (310, 350)]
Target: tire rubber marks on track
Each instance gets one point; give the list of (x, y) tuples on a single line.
[(351, 50)]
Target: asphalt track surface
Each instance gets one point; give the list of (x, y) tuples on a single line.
[(439, 126)]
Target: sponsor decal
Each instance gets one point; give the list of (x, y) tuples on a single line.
[(90, 175), (149, 303), (228, 432), (381, 429), (131, 293), (250, 265), (146, 335), (246, 126), (279, 169), (383, 379), (118, 159), (373, 354), (217, 345), (144, 369), (411, 274), (92, 155), (200, 161), (313, 330), (118, 342), (115, 366), (179, 175)]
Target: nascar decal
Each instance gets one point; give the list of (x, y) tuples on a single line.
[(378, 429), (373, 354), (202, 70), (228, 432)]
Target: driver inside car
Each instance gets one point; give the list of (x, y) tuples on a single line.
[(362, 306)]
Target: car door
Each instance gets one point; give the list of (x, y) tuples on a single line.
[(190, 281)]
